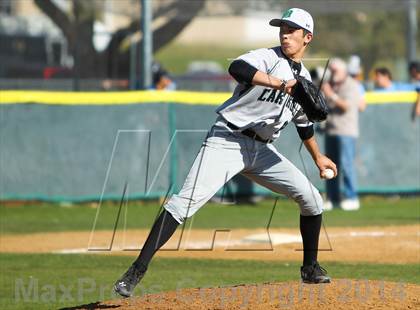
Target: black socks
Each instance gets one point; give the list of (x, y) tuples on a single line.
[(162, 230), (310, 227)]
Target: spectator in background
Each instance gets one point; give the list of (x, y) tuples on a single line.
[(343, 96), (384, 82), (414, 70), (383, 79), (354, 69), (161, 78)]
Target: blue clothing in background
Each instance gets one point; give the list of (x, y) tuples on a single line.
[(398, 86), (342, 151)]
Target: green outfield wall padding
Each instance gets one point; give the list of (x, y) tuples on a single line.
[(88, 152)]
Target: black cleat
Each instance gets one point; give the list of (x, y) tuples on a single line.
[(314, 274), (125, 286)]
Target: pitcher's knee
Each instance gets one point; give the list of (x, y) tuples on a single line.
[(310, 202), (182, 208)]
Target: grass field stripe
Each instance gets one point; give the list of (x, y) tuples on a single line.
[(150, 97)]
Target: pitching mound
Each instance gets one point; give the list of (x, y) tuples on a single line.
[(341, 294)]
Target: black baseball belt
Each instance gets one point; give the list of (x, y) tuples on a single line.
[(249, 133)]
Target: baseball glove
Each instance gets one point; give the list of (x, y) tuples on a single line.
[(310, 99)]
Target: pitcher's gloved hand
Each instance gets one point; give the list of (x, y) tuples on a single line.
[(310, 99)]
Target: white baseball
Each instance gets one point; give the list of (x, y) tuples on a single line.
[(328, 173)]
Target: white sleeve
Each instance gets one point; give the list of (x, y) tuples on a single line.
[(301, 120), (262, 59)]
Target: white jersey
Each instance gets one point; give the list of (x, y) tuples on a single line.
[(267, 111)]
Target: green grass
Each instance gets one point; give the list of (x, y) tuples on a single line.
[(43, 217), (79, 279)]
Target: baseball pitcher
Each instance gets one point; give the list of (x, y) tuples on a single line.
[(271, 93)]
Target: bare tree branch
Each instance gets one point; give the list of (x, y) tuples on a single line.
[(163, 10), (183, 11), (79, 32), (121, 34), (57, 16), (186, 11), (134, 26)]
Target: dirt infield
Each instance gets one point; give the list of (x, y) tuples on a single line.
[(340, 294), (390, 244)]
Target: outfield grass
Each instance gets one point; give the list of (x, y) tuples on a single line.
[(70, 280), (30, 218)]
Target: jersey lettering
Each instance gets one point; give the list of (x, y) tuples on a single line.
[(261, 98), (280, 97), (272, 96), (275, 96), (293, 106)]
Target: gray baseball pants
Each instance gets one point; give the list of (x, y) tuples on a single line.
[(223, 155)]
